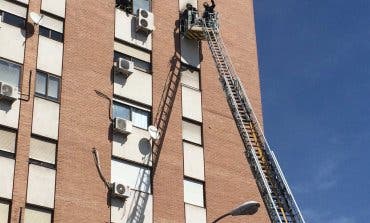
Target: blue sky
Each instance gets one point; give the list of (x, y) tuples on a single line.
[(314, 59)]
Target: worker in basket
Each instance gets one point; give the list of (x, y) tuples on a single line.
[(190, 13), (208, 10)]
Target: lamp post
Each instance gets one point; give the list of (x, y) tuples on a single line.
[(248, 208)]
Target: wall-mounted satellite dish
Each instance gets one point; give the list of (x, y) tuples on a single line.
[(153, 132), (36, 18)]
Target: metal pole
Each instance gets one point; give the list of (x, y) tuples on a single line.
[(221, 217)]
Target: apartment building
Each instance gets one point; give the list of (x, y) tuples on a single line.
[(91, 74)]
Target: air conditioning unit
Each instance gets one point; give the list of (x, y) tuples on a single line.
[(145, 20), (120, 190), (125, 67), (122, 125), (8, 92)]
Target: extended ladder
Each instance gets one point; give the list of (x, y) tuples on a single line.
[(271, 182)]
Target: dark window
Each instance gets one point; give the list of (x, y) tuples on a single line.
[(140, 118), (11, 19), (47, 86), (49, 33), (131, 6), (139, 64)]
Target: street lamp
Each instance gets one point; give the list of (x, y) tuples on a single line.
[(248, 208)]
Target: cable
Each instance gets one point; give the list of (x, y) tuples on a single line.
[(101, 94), (97, 164)]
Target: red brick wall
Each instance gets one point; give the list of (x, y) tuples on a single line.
[(25, 122), (168, 180), (84, 121)]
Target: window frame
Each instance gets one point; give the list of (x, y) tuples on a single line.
[(133, 59), (131, 108), (9, 203), (20, 70), (50, 32), (203, 183), (194, 122), (38, 208), (132, 7), (40, 162), (4, 14), (46, 95)]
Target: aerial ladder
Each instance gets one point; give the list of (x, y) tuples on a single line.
[(275, 191)]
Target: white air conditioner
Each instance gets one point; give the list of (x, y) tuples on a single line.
[(125, 67), (145, 20), (120, 190), (122, 125), (8, 92)]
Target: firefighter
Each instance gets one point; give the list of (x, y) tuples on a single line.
[(208, 9)]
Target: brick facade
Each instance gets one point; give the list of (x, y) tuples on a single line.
[(80, 195)]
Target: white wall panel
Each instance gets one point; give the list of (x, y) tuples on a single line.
[(4, 212), (12, 43), (6, 177), (138, 208), (193, 193), (190, 52), (195, 214), (36, 216), (192, 132), (7, 140), (12, 8), (41, 186), (191, 104), (45, 118), (135, 146), (52, 23), (125, 29), (9, 113), (182, 4), (137, 87), (133, 52), (50, 55), (193, 161), (190, 78), (56, 7), (137, 177), (42, 150)]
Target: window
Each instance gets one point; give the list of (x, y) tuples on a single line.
[(7, 140), (47, 86), (43, 151), (192, 132), (139, 64), (37, 215), (143, 4), (49, 33), (194, 192), (11, 19), (131, 6), (4, 211), (41, 186), (9, 72), (139, 118)]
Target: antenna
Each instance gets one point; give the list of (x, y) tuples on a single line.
[(154, 132), (36, 18)]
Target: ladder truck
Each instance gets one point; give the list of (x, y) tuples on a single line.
[(275, 191)]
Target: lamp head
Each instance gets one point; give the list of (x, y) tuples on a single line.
[(248, 208)]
